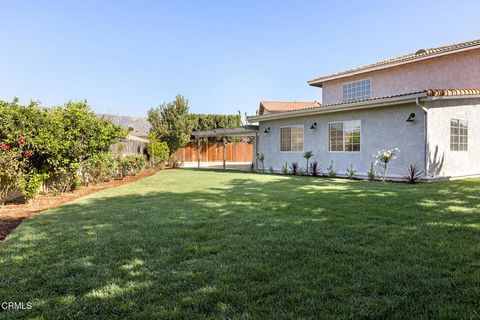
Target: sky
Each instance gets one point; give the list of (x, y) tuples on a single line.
[(125, 57)]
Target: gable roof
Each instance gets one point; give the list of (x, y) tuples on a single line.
[(421, 54), (281, 106), (370, 103)]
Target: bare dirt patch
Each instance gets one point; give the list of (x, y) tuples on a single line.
[(11, 215)]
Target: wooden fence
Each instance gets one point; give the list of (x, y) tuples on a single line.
[(213, 152)]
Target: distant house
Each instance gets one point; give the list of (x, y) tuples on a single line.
[(135, 143), (426, 104)]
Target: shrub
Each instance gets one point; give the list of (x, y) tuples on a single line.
[(314, 168), (331, 172), (307, 155), (157, 151), (351, 172), (11, 171), (413, 174), (31, 184), (98, 168), (285, 168), (129, 165), (174, 162), (294, 168), (371, 173), (270, 170)]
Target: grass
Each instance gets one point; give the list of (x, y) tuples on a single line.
[(202, 244)]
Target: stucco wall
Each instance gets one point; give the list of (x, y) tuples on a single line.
[(442, 161), (454, 71), (382, 128)]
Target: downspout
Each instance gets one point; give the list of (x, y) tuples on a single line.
[(425, 133)]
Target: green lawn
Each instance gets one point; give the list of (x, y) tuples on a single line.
[(202, 244)]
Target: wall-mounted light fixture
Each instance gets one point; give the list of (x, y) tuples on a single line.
[(410, 117), (267, 130), (314, 126)]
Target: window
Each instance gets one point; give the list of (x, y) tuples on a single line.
[(458, 135), (291, 139), (358, 90), (344, 136)]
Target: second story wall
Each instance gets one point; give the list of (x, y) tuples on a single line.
[(454, 71)]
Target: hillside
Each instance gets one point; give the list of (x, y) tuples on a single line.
[(138, 123)]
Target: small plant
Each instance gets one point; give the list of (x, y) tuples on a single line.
[(294, 168), (384, 157), (331, 172), (261, 159), (252, 167), (351, 172), (314, 169), (174, 163), (372, 173), (307, 155), (270, 170), (413, 174), (285, 168)]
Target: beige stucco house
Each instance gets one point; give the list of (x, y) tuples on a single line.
[(426, 104)]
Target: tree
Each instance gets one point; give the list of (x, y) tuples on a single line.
[(171, 123)]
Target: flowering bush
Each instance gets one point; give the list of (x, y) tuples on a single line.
[(383, 158)]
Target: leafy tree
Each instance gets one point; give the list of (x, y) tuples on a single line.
[(57, 139), (204, 122), (171, 123)]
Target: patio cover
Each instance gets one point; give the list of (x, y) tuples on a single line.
[(244, 131)]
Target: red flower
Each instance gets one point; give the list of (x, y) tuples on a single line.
[(6, 147), (27, 154), (21, 140)]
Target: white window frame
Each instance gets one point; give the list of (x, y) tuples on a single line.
[(343, 136), (303, 138), (459, 135), (360, 80)]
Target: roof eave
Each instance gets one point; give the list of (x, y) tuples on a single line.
[(343, 107), (318, 82)]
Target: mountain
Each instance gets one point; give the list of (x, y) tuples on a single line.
[(138, 123)]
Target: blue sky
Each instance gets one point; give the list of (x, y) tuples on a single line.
[(127, 56)]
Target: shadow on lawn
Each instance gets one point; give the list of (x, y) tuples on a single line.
[(283, 247)]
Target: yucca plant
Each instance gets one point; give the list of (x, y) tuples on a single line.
[(294, 168), (351, 172), (285, 168), (331, 172), (314, 168), (413, 174)]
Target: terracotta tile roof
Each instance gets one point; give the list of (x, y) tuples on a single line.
[(419, 54), (278, 106), (427, 92)]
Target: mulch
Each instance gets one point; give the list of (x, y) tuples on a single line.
[(11, 215)]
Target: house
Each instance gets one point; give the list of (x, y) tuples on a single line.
[(426, 104)]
